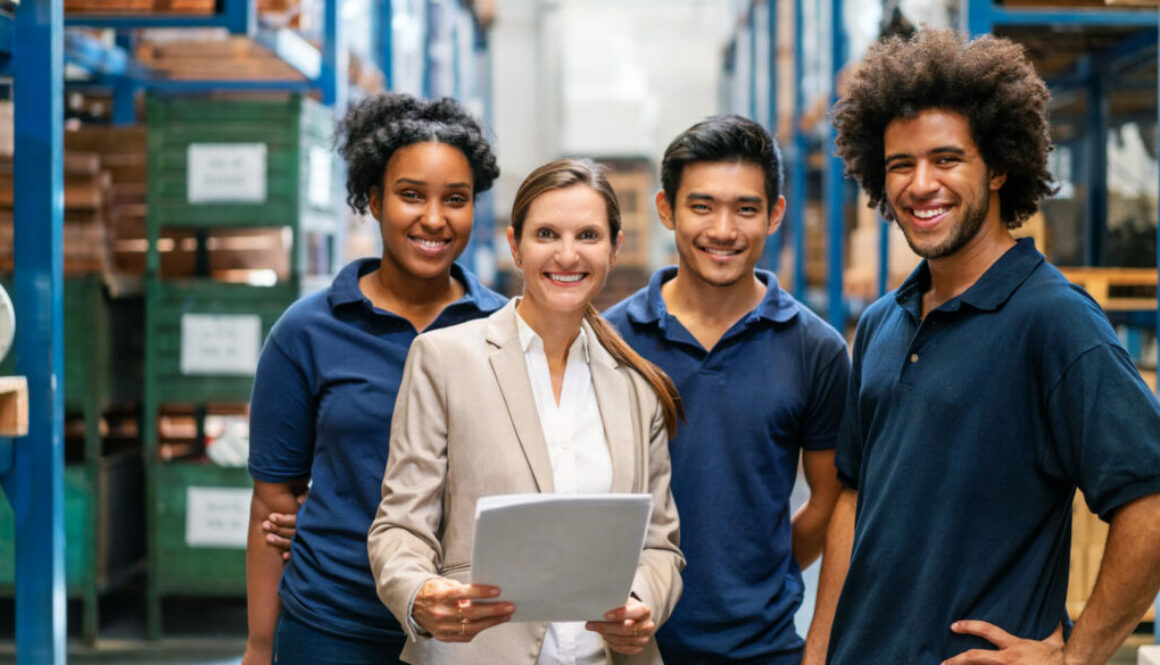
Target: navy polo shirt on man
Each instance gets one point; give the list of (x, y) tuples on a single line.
[(773, 385), (321, 408), (966, 435)]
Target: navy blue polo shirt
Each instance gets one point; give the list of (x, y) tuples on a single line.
[(966, 435), (321, 408), (773, 385)]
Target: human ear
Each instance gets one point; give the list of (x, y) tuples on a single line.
[(664, 210), (616, 248), (375, 202), (776, 215), (997, 180), (514, 245)]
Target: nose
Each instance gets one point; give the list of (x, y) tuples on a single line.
[(925, 181), (566, 253), (433, 218), (723, 228)]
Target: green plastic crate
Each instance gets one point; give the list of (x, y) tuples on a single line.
[(178, 566), (168, 302)]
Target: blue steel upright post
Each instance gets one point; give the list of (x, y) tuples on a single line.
[(834, 182), (796, 209), (333, 77), (386, 48), (35, 485), (773, 244)]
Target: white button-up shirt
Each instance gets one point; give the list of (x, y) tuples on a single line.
[(581, 463)]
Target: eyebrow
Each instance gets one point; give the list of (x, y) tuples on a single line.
[(698, 196), (942, 149), (421, 183)]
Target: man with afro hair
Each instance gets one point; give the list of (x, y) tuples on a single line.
[(983, 391)]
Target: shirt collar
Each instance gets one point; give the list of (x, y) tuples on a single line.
[(991, 290), (345, 290), (529, 340), (776, 305)]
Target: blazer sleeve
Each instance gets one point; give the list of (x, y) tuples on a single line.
[(403, 544), (658, 575)]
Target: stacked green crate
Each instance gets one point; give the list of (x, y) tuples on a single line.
[(218, 164), (104, 543)]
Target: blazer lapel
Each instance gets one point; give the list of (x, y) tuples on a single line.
[(507, 361), (616, 404)]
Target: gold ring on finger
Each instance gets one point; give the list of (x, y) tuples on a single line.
[(636, 631), (459, 611), (463, 628)]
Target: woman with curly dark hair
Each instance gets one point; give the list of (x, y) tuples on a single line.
[(983, 392), (329, 373)]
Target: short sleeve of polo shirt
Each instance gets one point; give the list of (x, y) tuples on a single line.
[(281, 417), (1105, 430), (827, 397)]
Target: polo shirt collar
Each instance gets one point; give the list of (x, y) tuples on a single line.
[(344, 290), (991, 290), (776, 305)]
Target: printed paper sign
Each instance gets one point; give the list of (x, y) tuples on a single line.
[(227, 172), (217, 516), (215, 344), (319, 183)]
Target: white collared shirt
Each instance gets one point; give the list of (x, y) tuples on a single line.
[(578, 450)]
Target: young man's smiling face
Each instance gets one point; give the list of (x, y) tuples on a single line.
[(721, 219), (938, 188)]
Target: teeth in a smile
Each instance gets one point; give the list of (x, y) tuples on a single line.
[(575, 277), (430, 244), (715, 251), (928, 214)]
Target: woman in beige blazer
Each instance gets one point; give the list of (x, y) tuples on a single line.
[(470, 422)]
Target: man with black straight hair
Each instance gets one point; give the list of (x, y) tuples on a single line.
[(762, 380)]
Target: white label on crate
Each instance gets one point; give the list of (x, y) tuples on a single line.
[(227, 172), (217, 516), (319, 194), (218, 344)]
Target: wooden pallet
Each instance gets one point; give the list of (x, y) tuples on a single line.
[(1117, 289), (13, 406)]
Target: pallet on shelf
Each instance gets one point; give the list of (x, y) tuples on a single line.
[(1117, 289), (226, 59), (13, 406), (130, 7)]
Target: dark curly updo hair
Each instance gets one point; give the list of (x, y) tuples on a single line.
[(375, 128), (988, 80)]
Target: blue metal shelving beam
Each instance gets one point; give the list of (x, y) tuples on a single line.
[(834, 181), (35, 484), (796, 205), (1087, 17)]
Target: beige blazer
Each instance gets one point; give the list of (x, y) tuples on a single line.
[(466, 426)]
